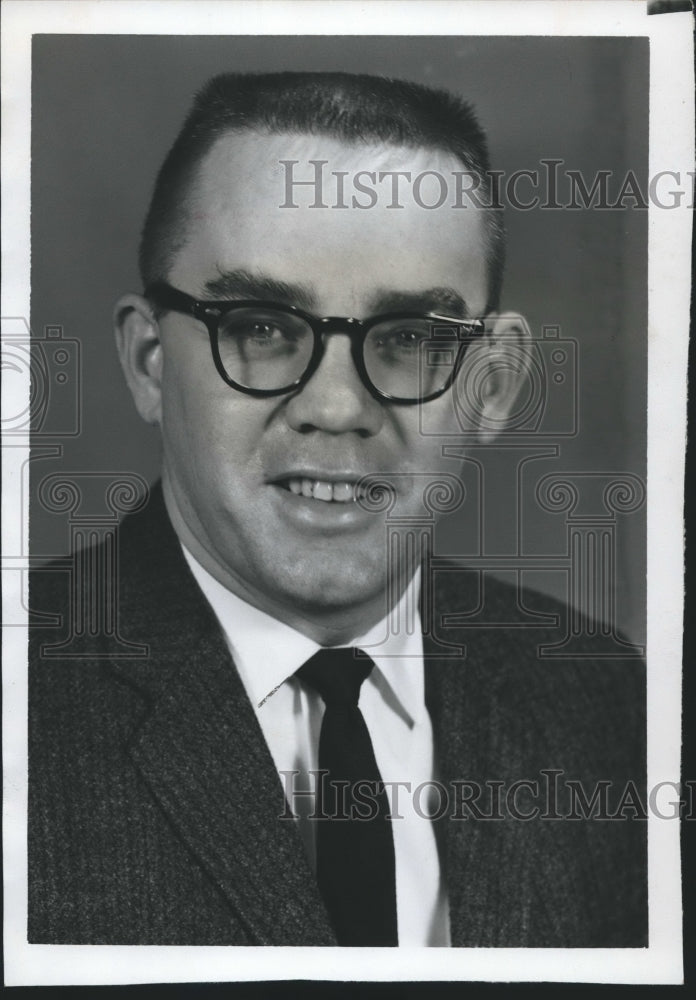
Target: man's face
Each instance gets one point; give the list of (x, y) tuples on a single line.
[(232, 461)]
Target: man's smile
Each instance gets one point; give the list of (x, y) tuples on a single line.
[(318, 489), (328, 487), (317, 499)]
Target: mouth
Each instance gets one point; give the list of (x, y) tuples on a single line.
[(341, 491)]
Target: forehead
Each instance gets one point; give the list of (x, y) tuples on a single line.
[(247, 210)]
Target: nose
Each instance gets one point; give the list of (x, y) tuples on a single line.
[(335, 400)]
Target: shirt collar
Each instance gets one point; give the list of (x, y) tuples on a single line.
[(267, 652)]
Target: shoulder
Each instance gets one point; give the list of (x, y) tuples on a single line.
[(125, 608), (533, 666)]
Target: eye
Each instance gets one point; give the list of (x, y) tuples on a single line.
[(260, 331), (265, 333), (258, 336), (266, 328), (401, 338), (405, 339)]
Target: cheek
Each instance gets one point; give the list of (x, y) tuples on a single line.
[(189, 408), (193, 394), (184, 415), (426, 429), (211, 433), (451, 419)]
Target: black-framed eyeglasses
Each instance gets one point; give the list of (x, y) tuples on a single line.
[(266, 349)]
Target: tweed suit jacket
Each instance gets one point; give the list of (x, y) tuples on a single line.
[(154, 803)]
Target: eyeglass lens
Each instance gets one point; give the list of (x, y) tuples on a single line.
[(267, 349)]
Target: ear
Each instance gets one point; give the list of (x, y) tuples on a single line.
[(498, 370), (140, 351)]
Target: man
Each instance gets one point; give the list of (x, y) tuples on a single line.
[(238, 785)]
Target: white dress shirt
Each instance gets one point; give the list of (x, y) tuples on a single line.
[(267, 653)]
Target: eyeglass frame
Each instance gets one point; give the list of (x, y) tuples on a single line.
[(165, 296)]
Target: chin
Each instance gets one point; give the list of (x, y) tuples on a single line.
[(334, 584)]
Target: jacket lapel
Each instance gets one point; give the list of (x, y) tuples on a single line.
[(201, 750), (460, 695), (204, 758), (445, 683)]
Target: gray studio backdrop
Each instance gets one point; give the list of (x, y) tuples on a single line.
[(105, 109)]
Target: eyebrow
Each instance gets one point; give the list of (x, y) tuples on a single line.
[(244, 284), (443, 300), (240, 283)]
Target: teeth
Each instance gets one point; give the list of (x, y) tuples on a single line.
[(343, 492), (321, 490)]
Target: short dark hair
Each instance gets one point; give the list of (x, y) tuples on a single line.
[(352, 107)]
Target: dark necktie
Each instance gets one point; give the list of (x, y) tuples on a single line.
[(355, 856)]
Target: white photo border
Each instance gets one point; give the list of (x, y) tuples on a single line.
[(671, 148)]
